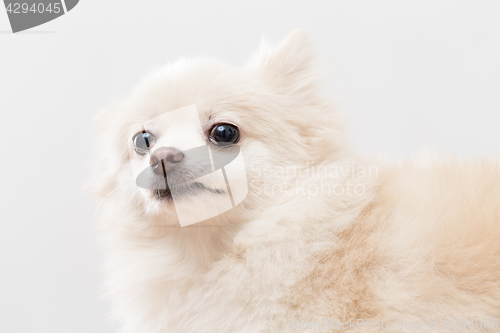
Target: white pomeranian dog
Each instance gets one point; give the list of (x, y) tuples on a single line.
[(233, 202)]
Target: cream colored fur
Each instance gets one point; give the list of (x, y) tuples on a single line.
[(419, 241)]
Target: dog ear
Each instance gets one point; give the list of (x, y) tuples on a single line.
[(289, 65)]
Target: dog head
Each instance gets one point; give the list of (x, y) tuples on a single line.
[(181, 120)]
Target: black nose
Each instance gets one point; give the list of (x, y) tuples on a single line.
[(164, 159)]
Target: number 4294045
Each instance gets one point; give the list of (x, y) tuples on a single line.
[(23, 8)]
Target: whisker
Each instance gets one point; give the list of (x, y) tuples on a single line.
[(100, 203)]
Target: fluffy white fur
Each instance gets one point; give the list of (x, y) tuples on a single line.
[(412, 241)]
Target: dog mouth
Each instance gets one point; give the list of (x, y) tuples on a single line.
[(162, 194), (183, 190)]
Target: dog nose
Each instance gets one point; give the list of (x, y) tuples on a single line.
[(164, 159)]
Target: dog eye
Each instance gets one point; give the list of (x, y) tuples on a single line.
[(224, 134), (142, 142)]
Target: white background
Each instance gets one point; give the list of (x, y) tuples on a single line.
[(409, 73)]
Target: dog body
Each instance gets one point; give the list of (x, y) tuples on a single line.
[(324, 237)]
